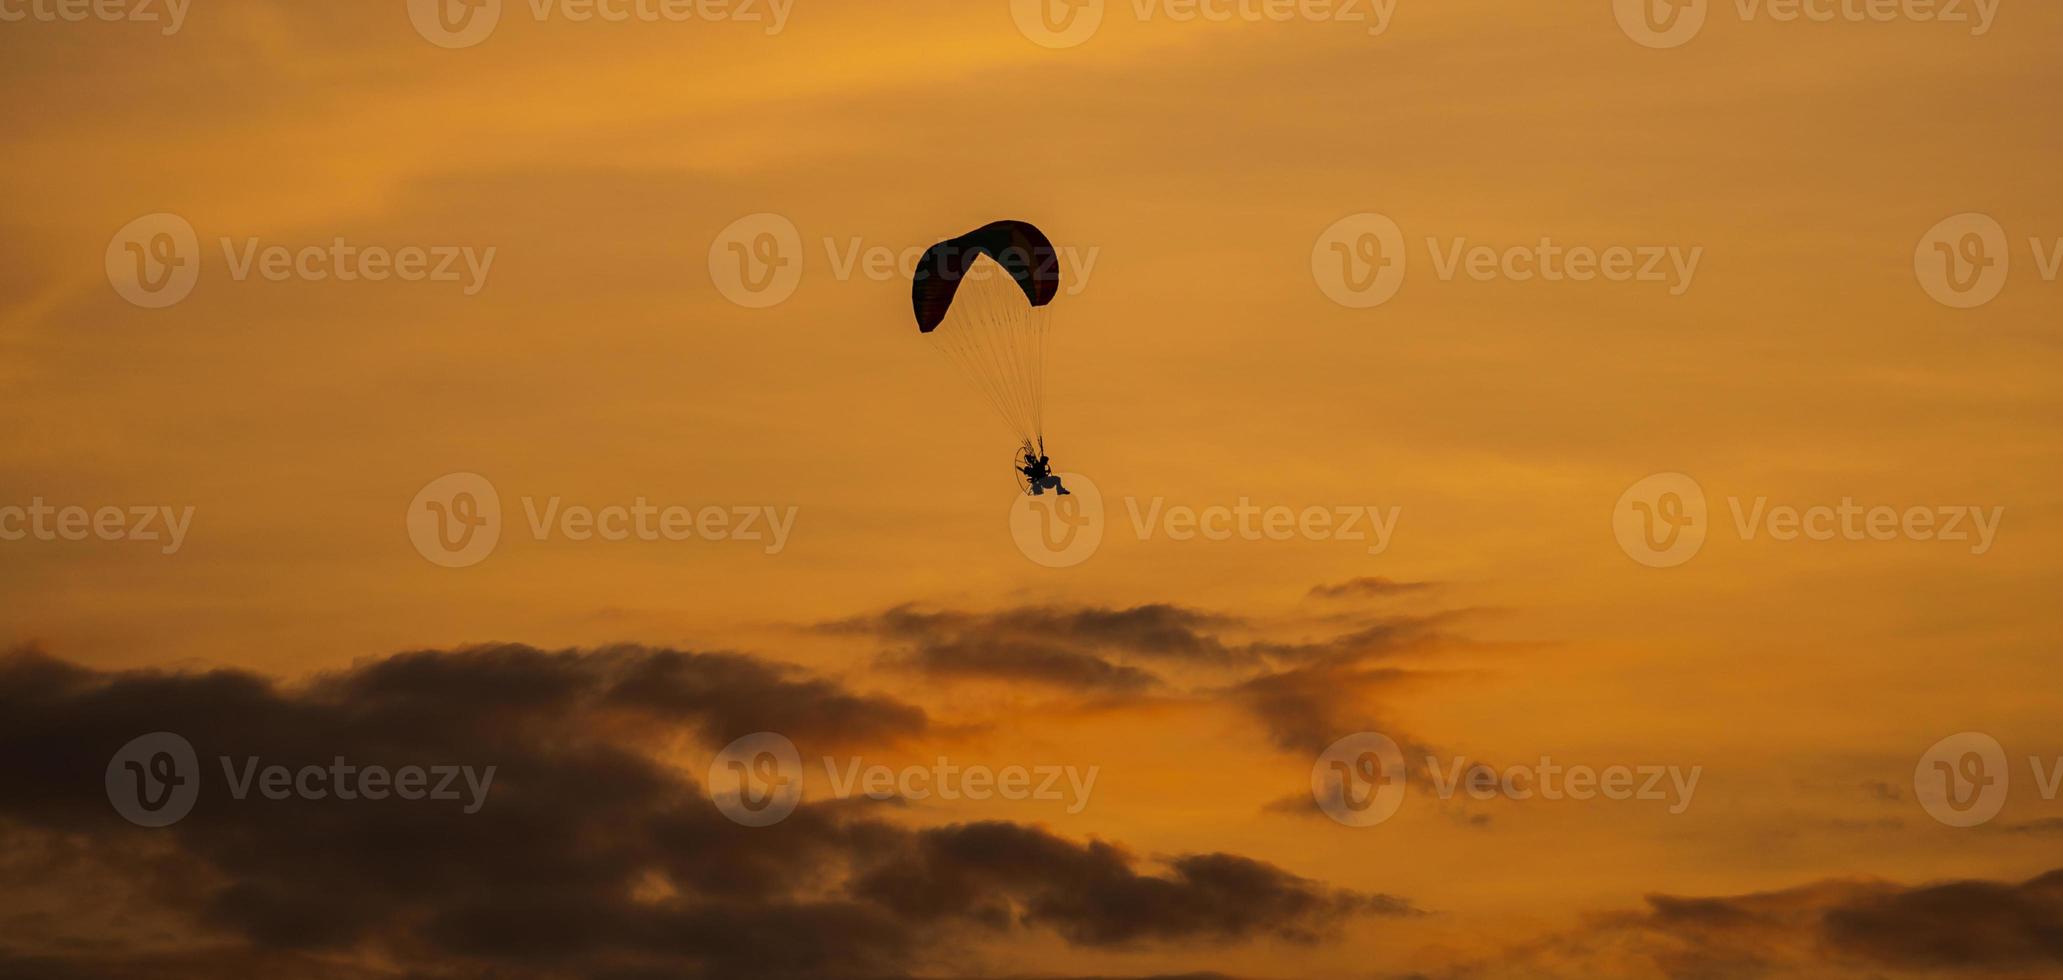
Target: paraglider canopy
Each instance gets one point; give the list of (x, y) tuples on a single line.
[(1019, 247)]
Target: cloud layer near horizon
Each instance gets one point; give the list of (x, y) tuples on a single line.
[(596, 855)]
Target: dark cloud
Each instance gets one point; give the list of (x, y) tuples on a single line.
[(1957, 923), (1027, 660), (1082, 649), (594, 856), (998, 873), (1368, 588), (1387, 637), (1306, 709), (1858, 928), (1305, 693)]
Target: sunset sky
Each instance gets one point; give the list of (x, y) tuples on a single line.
[(1196, 173)]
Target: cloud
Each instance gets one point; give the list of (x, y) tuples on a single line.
[(1368, 588), (1306, 709), (997, 873), (1081, 648), (1304, 692), (1836, 927), (597, 853)]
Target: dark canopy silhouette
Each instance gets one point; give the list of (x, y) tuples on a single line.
[(981, 299), (1018, 246)]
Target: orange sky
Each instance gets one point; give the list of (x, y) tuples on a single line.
[(1198, 363)]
